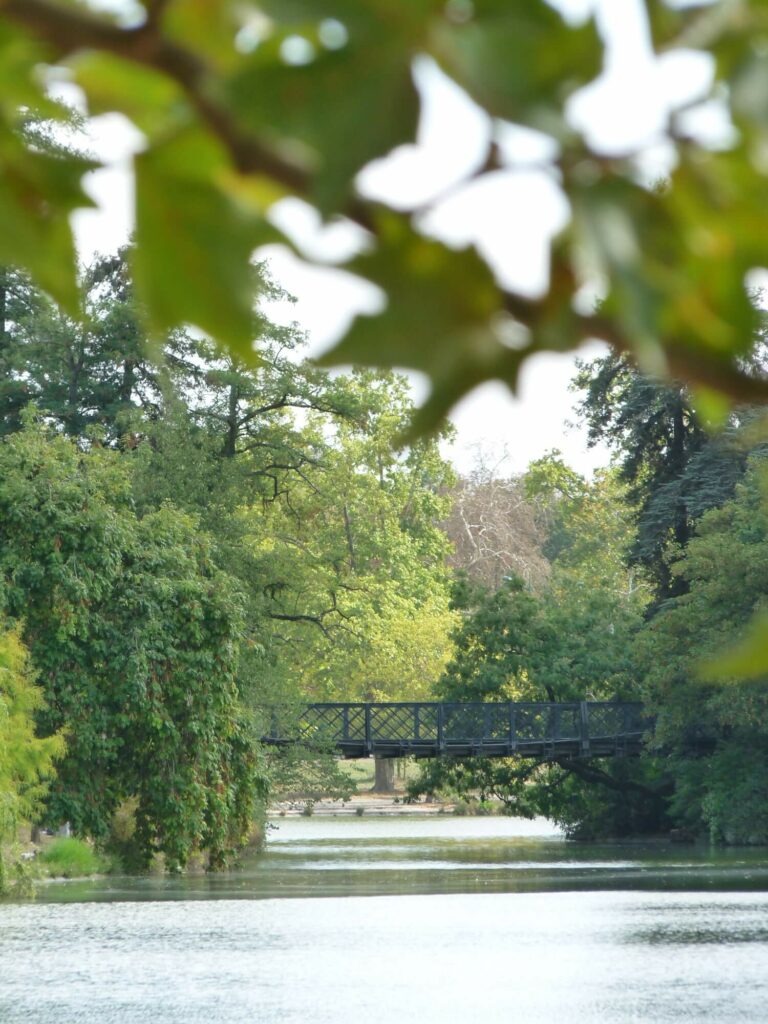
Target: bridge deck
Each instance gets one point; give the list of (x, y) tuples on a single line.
[(428, 729)]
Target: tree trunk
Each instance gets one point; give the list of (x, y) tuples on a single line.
[(384, 778), (3, 307)]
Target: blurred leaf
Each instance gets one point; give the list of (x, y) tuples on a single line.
[(748, 659), (195, 237), (206, 28), (518, 60), (337, 111), (675, 260), (711, 407), (20, 57), (38, 191), (150, 99), (437, 320)]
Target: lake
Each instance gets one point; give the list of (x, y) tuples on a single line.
[(410, 919)]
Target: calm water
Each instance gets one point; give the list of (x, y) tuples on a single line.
[(408, 920)]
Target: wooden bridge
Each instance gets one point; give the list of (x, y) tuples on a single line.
[(538, 730)]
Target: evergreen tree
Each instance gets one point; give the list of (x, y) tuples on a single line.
[(673, 468)]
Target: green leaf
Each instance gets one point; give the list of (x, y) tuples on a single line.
[(438, 319), (675, 261), (519, 60), (38, 191), (207, 28), (20, 58), (747, 659), (151, 100), (335, 113), (195, 233)]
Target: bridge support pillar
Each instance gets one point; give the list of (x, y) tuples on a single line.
[(584, 727)]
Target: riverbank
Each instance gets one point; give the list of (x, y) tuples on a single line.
[(358, 805), (491, 917)]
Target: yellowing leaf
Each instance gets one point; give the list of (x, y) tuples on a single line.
[(747, 659)]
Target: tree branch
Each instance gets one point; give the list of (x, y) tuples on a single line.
[(67, 30), (589, 773)]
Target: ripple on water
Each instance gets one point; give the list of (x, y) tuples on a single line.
[(522, 927)]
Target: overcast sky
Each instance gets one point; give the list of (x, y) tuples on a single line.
[(511, 217)]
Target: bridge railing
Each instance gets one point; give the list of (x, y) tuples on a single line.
[(427, 728)]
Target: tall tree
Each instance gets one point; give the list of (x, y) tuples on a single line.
[(134, 633), (98, 370), (26, 760), (674, 469), (495, 531), (714, 735)]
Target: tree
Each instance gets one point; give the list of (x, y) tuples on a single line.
[(330, 526), (134, 634), (242, 104), (495, 531), (99, 371), (674, 469), (572, 641), (352, 557), (356, 552), (714, 735), (26, 760)]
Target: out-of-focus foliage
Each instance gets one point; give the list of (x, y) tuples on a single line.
[(242, 103)]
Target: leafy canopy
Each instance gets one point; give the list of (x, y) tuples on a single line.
[(242, 103), (134, 633), (26, 761)]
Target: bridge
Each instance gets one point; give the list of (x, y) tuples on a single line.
[(428, 729)]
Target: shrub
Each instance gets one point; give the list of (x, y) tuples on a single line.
[(71, 858)]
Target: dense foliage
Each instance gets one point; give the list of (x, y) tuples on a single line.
[(26, 760), (188, 545), (186, 542), (133, 632), (716, 736), (188, 536), (675, 470), (572, 639), (611, 623)]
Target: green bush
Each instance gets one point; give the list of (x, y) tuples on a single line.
[(71, 858)]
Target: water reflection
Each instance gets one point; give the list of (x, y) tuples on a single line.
[(472, 920), (323, 857)]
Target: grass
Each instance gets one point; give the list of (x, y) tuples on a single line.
[(71, 858)]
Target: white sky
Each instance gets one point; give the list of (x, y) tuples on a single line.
[(511, 216)]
